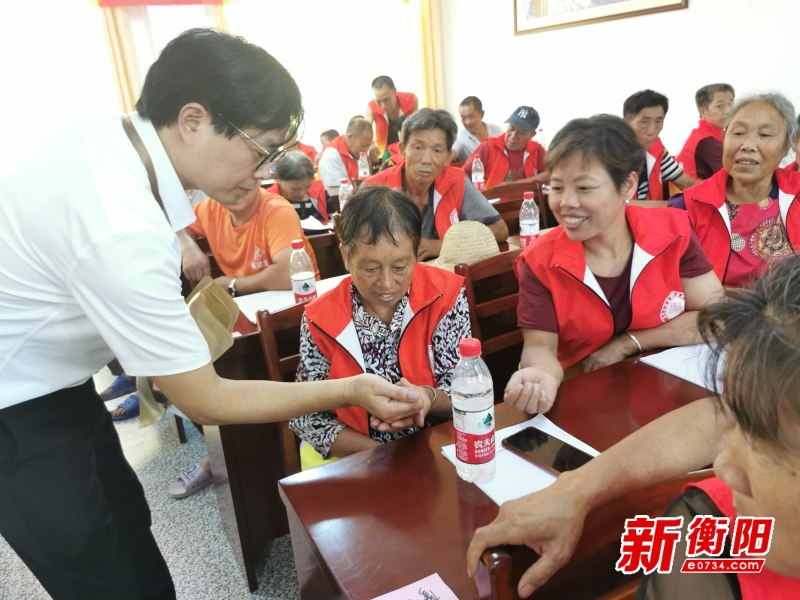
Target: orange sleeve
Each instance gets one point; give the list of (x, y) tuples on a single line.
[(284, 226), (200, 214)]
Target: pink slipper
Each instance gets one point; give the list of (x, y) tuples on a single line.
[(190, 481)]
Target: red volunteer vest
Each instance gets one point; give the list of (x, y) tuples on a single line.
[(350, 163), (767, 585), (792, 167), (686, 157), (497, 167), (309, 151), (448, 193), (406, 101), (705, 204), (316, 193), (432, 294), (585, 320), (653, 157)]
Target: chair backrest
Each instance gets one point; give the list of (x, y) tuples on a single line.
[(590, 572), (326, 250), (493, 292), (648, 203), (280, 341), (512, 191)]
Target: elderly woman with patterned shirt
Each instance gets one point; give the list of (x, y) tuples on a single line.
[(392, 317), (747, 215)]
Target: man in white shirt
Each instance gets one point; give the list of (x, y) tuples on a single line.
[(98, 276), (339, 158), (475, 130)]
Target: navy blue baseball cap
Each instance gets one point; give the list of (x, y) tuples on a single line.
[(525, 118)]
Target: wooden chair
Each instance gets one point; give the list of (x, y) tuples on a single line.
[(493, 292), (512, 191), (648, 203), (590, 572), (280, 342), (326, 251)]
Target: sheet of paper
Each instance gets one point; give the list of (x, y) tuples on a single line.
[(430, 588), (273, 301), (687, 362), (516, 477), (311, 223)]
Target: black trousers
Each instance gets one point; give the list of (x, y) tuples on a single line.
[(70, 504)]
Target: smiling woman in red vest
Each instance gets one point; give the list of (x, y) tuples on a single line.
[(751, 434), (392, 317), (612, 280), (747, 216), (442, 193)]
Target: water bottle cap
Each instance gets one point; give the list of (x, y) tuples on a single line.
[(344, 181), (298, 244), (527, 195), (469, 347)]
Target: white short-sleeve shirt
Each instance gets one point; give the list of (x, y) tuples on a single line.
[(89, 264)]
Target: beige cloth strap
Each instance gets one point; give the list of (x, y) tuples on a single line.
[(144, 156)]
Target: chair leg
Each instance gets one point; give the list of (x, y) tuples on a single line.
[(181, 430)]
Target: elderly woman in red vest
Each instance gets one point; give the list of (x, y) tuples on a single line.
[(442, 193), (392, 317), (612, 280), (295, 182), (747, 215), (751, 434)]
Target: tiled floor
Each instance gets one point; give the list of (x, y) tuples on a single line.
[(188, 531)]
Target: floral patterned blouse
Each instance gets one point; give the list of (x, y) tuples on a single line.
[(380, 344)]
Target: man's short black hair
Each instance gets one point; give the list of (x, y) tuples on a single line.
[(228, 76), (377, 212), (472, 101), (383, 81), (430, 118), (641, 100)]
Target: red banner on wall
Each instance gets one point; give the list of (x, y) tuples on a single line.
[(154, 2)]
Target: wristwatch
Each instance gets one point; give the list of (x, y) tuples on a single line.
[(232, 288)]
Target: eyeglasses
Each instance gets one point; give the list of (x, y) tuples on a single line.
[(269, 157)]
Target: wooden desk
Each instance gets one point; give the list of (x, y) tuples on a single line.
[(378, 520)]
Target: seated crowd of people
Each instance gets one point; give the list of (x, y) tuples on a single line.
[(612, 280)]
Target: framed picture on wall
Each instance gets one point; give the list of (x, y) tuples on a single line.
[(540, 15)]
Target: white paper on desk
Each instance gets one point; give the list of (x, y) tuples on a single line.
[(514, 476), (687, 362), (430, 587), (311, 223), (274, 301)]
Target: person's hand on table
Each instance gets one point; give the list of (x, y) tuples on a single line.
[(550, 522), (619, 348), (417, 418), (388, 402), (531, 390), (195, 264)]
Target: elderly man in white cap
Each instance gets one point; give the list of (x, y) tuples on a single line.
[(513, 155)]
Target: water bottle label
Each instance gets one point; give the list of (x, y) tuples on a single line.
[(474, 435), (525, 240), (304, 290)]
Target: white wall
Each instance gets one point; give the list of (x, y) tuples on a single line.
[(54, 63), (587, 69)]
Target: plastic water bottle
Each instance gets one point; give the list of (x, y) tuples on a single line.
[(472, 396), (528, 220), (301, 272), (477, 173), (345, 192), (363, 165)]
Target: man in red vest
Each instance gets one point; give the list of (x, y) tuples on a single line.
[(513, 155), (645, 111), (339, 159), (701, 156), (387, 111)]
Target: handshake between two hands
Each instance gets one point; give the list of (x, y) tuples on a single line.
[(394, 407)]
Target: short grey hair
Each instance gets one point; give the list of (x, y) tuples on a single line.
[(357, 126), (295, 166), (780, 103), (426, 119)]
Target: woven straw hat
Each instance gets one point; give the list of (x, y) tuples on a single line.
[(466, 242)]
